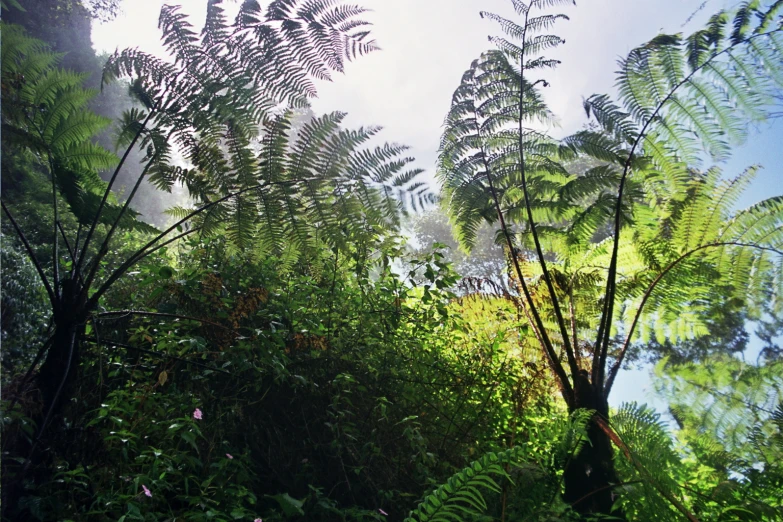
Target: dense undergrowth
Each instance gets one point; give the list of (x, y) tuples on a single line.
[(287, 357)]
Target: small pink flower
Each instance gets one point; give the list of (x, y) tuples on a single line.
[(258, 520), (197, 414), (229, 456), (146, 491), (382, 512)]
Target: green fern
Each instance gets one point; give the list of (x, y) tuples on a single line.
[(462, 494), (549, 446), (221, 105), (643, 223), (219, 96), (728, 415), (648, 465), (44, 108)]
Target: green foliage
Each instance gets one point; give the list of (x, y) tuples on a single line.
[(218, 97), (44, 110), (728, 416), (274, 354), (277, 197), (24, 308), (325, 408), (682, 239), (647, 465), (643, 149), (724, 397), (536, 461), (461, 494)]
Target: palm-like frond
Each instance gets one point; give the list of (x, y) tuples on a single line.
[(45, 108), (479, 142), (462, 496), (679, 98), (219, 103)]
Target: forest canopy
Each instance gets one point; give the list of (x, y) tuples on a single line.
[(275, 347)]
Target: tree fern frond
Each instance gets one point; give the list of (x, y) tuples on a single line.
[(462, 495), (512, 29), (646, 438)]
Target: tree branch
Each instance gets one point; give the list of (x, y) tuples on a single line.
[(158, 354), (124, 313), (128, 264), (104, 248)]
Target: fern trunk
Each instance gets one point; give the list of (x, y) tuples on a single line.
[(55, 379), (590, 476)]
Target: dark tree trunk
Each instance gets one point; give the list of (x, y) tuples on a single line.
[(56, 376), (55, 379), (590, 477)]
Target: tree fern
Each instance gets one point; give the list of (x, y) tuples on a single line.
[(654, 82), (216, 99), (44, 109), (484, 147), (220, 106), (681, 99)]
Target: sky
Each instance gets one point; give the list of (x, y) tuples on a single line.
[(427, 45)]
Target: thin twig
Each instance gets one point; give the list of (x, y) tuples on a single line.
[(119, 314)]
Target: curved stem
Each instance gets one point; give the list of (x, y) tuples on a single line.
[(572, 313), (618, 363), (31, 255), (125, 313), (66, 242), (105, 244), (106, 193), (143, 251), (158, 354), (528, 207), (615, 438), (128, 264), (76, 250), (602, 342), (56, 243), (539, 327)]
